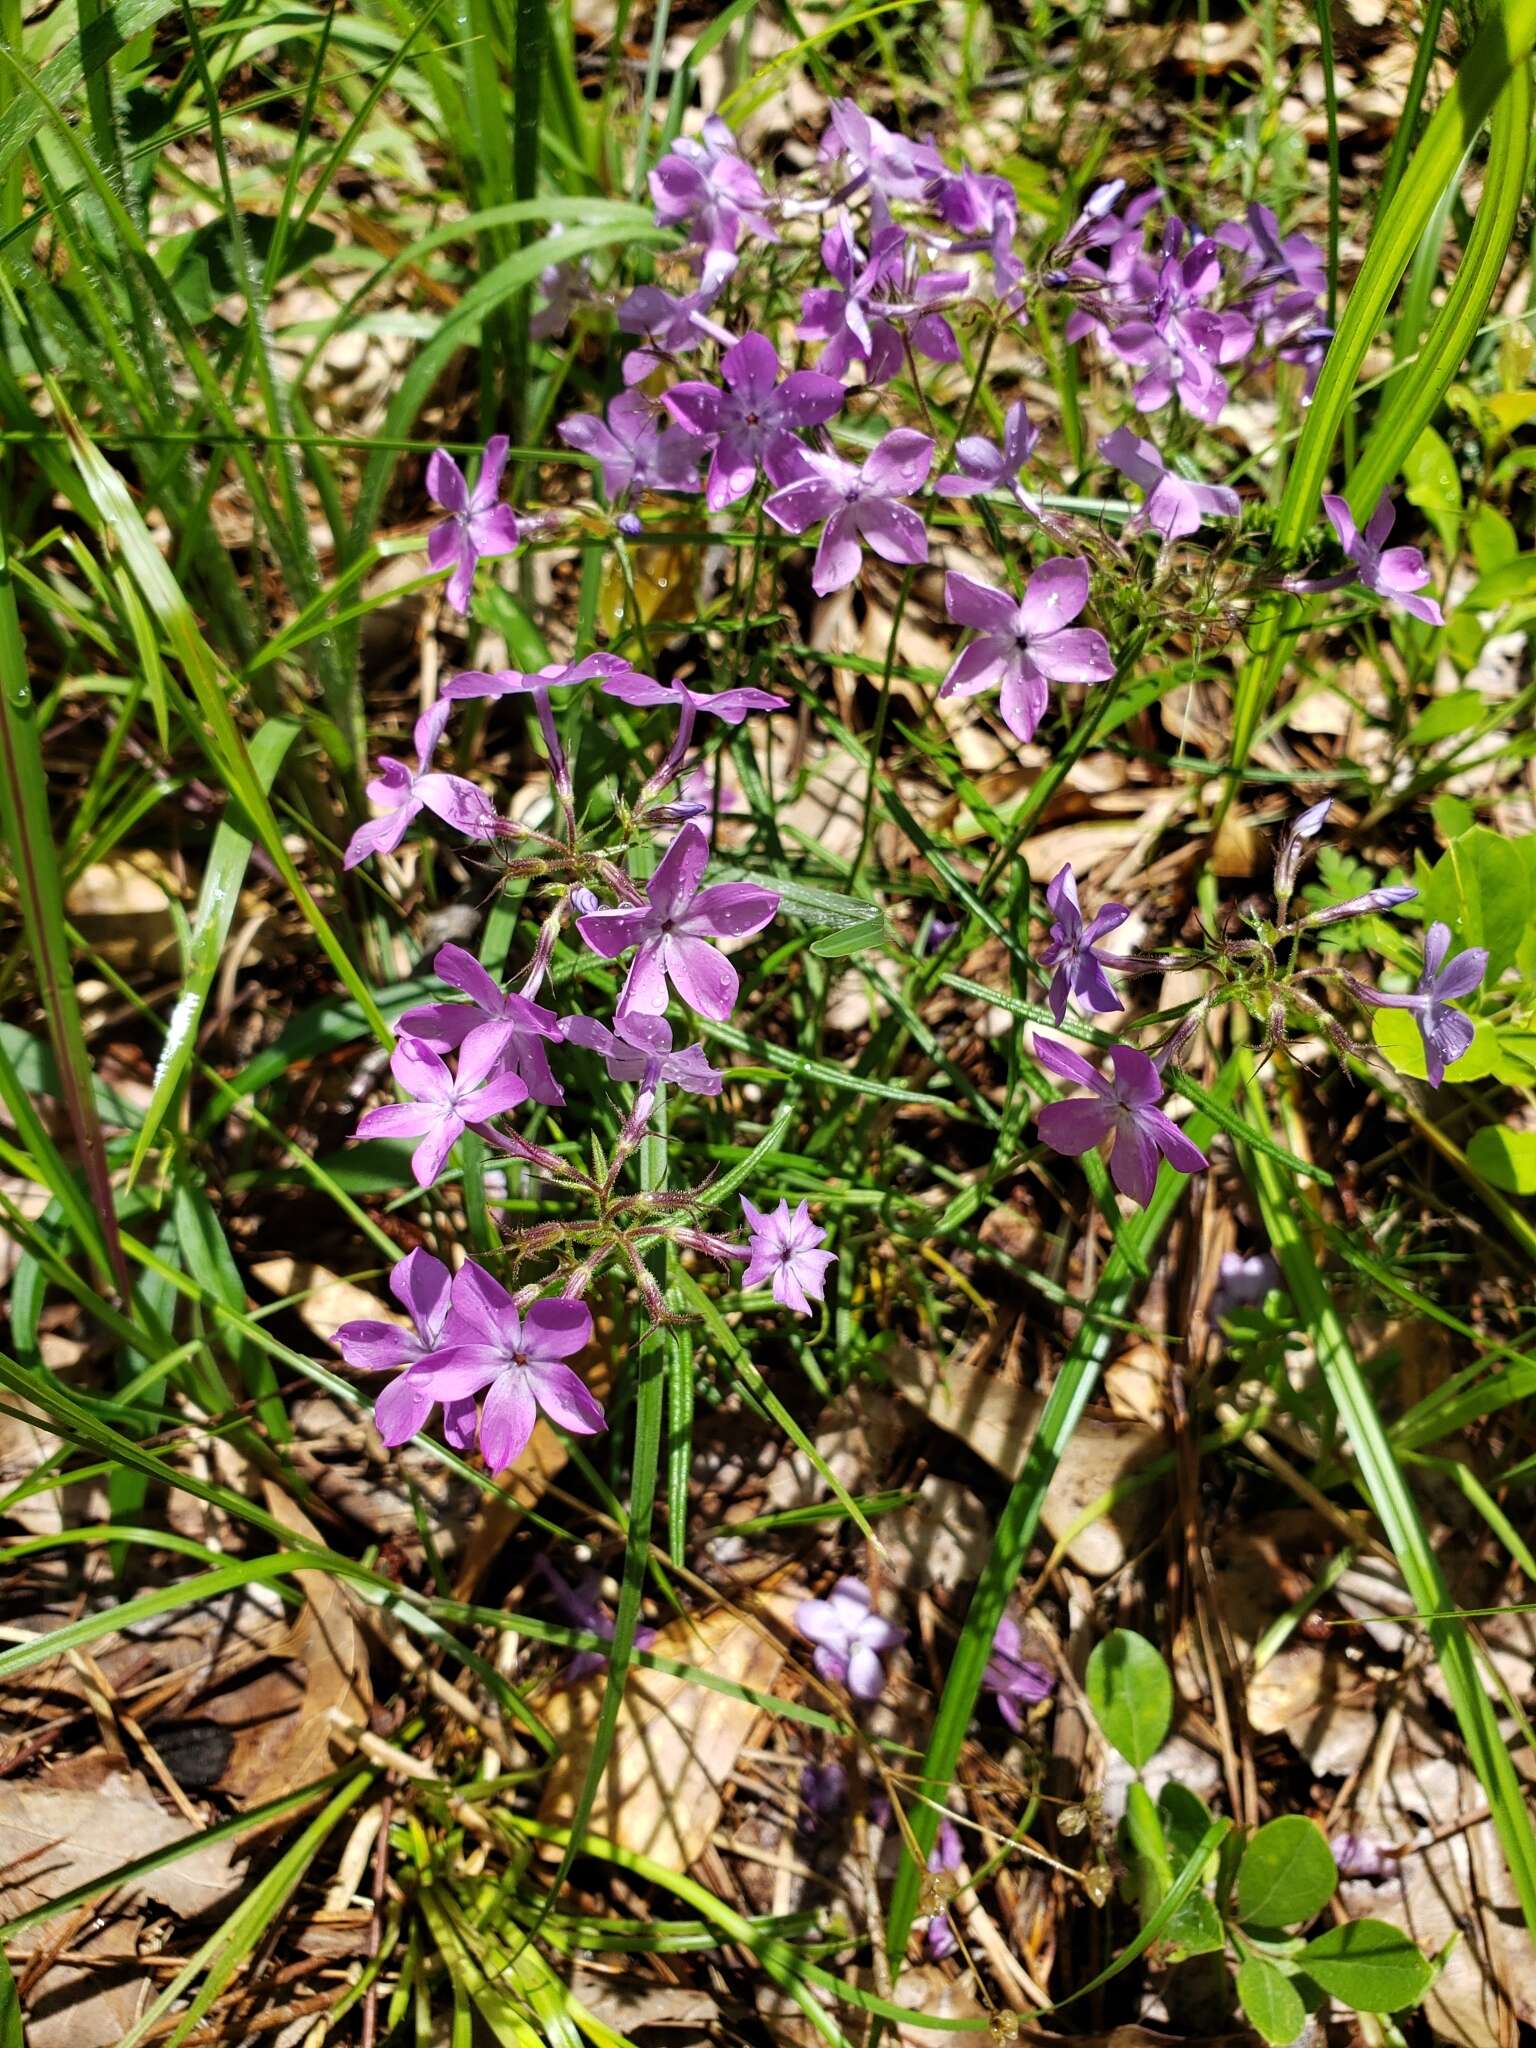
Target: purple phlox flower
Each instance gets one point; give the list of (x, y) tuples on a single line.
[(639, 1049), (744, 423), (520, 1358), (1124, 1108), (730, 705), (1173, 506), (1446, 1032), (583, 1609), (633, 448), (1016, 1682), (1284, 288), (940, 932), (564, 285), (983, 210), (946, 1855), (1100, 224), (783, 1251), (514, 1027), (1359, 1856), (516, 682), (861, 319), (986, 467), (1243, 1282), (861, 506), (1070, 948), (1175, 340), (706, 186), (403, 793), (445, 1105), (850, 1638), (672, 930), (420, 1283), (892, 167), (823, 1796), (1123, 282), (1395, 573), (1025, 643), (673, 324), (477, 527)]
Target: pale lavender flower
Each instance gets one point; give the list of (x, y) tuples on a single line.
[(633, 449), (1015, 1682), (861, 506), (747, 422), (1177, 342), (879, 157), (1243, 1282), (520, 1358), (584, 1610), (1070, 948), (1446, 1033), (420, 1283), (850, 1638), (1371, 904), (1359, 1856), (732, 705), (514, 1027), (639, 1049), (672, 930), (445, 1105), (986, 467), (783, 1252), (477, 528), (1027, 643), (946, 1855), (874, 302), (1394, 574), (983, 209), (706, 186), (1173, 505), (672, 325), (1124, 1109), (516, 682), (405, 792)]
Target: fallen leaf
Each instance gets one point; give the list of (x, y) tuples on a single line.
[(943, 1539)]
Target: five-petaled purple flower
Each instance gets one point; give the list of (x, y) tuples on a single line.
[(477, 527), (515, 1028), (748, 422), (862, 506), (706, 186), (783, 1252), (1015, 1682), (849, 1637), (445, 1104), (875, 302), (1393, 573), (1446, 1032), (1124, 1109), (891, 166), (1025, 643), (520, 1357), (633, 448), (1070, 948), (1173, 506), (672, 930), (420, 1283), (639, 1048), (403, 793), (986, 467)]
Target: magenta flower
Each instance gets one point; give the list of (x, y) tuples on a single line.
[(1395, 574), (477, 527), (672, 930), (445, 1105), (1015, 1682), (1124, 1110), (1446, 1032), (633, 449), (730, 705), (947, 1854), (420, 1284), (514, 1028), (520, 1358), (850, 1638), (983, 209), (1177, 342), (1173, 505), (755, 413), (891, 166), (863, 316), (861, 506), (783, 1251), (639, 1049), (707, 187), (986, 467), (1025, 643), (1070, 948), (405, 792), (672, 325)]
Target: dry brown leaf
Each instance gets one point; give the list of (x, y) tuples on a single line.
[(943, 1539), (997, 1419), (122, 906), (673, 1757)]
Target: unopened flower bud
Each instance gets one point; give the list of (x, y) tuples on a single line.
[(629, 524), (1368, 905), (1293, 846), (584, 901), (676, 813)]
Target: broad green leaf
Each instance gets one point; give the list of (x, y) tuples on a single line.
[(1149, 1870), (1195, 1929), (1505, 1158), (1434, 486), (1481, 888), (1506, 584), (1397, 1039), (1271, 2001), (1287, 1874), (1185, 1817), (1446, 717), (1368, 1965), (1492, 539), (1131, 1694)]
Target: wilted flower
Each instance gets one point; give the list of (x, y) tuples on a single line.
[(672, 325), (1124, 1109), (673, 928), (1446, 1033), (1015, 1682), (445, 1104), (477, 527), (520, 1358), (784, 1252), (752, 417), (513, 1027), (639, 1049), (861, 506), (1358, 1856), (875, 301), (633, 448), (1025, 643), (420, 1283), (405, 792), (1243, 1282), (516, 682), (1070, 948), (849, 1637), (1395, 574), (1173, 506)]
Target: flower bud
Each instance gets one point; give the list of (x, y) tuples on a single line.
[(584, 901), (1368, 905), (1293, 845)]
